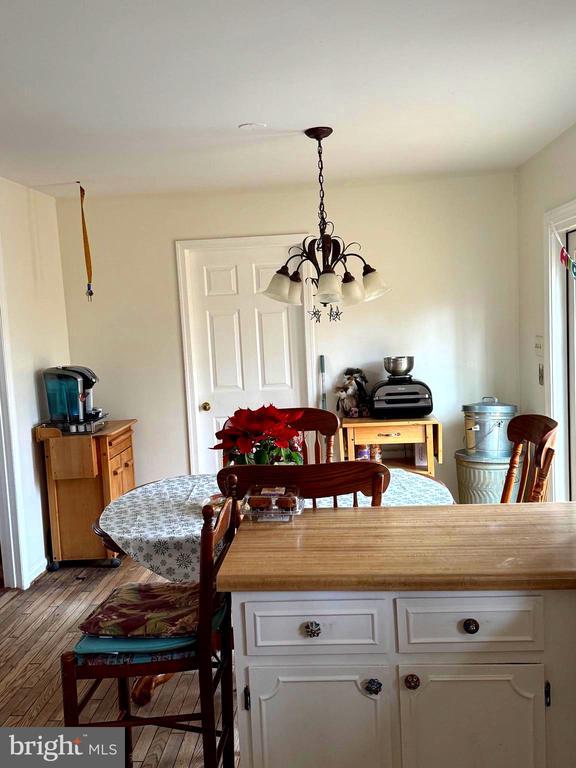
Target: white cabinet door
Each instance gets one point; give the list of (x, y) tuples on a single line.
[(481, 716), (311, 716)]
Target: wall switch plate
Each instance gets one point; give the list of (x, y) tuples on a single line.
[(539, 346), (541, 374)]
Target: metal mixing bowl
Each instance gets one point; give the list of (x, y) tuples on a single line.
[(398, 366)]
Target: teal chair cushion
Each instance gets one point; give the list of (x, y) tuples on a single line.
[(92, 650)]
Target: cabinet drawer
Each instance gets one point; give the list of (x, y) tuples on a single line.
[(390, 434), (119, 443), (341, 626), (440, 624)]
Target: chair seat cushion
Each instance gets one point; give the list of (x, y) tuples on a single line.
[(139, 650), (146, 610)]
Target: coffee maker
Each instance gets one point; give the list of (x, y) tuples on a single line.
[(70, 400)]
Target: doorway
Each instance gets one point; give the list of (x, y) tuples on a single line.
[(240, 348), (560, 348)]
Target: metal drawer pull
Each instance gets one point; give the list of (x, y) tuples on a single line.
[(412, 682), (373, 686), (389, 434), (470, 626), (312, 629)]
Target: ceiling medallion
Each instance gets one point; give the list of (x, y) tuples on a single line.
[(328, 256)]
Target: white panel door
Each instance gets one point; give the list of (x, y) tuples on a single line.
[(242, 349), (483, 716), (311, 716)]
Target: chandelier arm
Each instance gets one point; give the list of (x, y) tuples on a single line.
[(295, 256), (357, 255)]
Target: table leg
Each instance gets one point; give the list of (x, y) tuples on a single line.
[(430, 450), (144, 687)]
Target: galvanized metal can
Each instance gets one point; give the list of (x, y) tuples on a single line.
[(486, 425)]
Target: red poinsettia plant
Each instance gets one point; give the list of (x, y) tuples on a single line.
[(263, 436)]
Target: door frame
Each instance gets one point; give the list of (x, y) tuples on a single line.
[(184, 250), (560, 219), (10, 526)]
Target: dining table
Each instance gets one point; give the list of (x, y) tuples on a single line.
[(159, 524)]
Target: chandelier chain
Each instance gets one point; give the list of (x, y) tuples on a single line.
[(321, 209)]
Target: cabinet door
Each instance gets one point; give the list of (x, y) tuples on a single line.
[(309, 716), (116, 477), (477, 715), (127, 470)]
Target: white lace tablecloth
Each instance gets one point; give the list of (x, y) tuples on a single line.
[(159, 524)]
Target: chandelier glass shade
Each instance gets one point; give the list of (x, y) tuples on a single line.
[(328, 257)]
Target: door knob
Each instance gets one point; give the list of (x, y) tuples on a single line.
[(205, 406)]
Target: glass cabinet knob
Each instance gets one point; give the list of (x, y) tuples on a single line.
[(312, 629), (470, 626), (412, 682), (373, 686)]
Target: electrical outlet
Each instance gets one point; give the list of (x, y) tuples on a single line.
[(539, 346), (541, 374)]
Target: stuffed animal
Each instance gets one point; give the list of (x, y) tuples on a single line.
[(352, 397)]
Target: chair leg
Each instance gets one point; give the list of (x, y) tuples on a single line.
[(207, 709), (124, 704), (69, 689), (227, 692)]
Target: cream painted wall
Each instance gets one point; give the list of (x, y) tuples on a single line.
[(447, 246), (34, 321), (546, 181)]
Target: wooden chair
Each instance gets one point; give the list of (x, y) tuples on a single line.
[(533, 437), (209, 652), (314, 481), (323, 424)]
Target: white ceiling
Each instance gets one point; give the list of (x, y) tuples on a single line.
[(145, 95)]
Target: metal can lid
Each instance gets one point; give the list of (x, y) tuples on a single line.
[(491, 404)]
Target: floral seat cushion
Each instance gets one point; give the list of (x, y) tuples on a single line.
[(146, 610)]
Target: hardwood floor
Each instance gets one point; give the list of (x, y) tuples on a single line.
[(37, 625)]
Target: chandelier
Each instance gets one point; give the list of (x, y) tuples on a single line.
[(328, 256)]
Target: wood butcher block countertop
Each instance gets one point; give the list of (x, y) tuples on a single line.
[(457, 547)]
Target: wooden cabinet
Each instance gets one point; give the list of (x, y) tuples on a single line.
[(474, 714), (421, 439), (84, 473), (309, 716)]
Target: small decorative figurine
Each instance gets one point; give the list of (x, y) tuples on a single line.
[(352, 395)]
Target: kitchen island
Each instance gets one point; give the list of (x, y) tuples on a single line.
[(413, 637)]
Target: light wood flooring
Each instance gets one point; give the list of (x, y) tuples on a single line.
[(37, 625)]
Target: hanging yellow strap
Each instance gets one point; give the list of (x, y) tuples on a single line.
[(87, 256)]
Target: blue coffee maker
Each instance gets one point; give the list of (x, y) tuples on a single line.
[(70, 401)]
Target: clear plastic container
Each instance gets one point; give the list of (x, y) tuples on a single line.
[(272, 503)]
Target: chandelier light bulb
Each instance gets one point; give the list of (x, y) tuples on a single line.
[(374, 285), (295, 290), (279, 288), (329, 289), (352, 290)]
